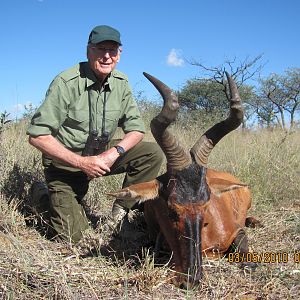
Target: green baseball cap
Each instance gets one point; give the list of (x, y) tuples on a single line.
[(104, 33)]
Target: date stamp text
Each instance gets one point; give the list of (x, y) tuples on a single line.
[(264, 257)]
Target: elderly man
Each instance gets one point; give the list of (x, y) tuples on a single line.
[(74, 126)]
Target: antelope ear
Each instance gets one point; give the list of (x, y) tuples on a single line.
[(219, 186), (139, 192)]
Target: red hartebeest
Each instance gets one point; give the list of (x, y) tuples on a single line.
[(198, 210)]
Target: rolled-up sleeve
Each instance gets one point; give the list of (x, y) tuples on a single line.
[(131, 119), (52, 113)]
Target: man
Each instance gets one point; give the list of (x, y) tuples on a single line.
[(74, 127)]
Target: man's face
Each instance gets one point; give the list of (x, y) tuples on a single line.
[(103, 57)]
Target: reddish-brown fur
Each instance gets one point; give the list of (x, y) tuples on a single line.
[(223, 216), (198, 210)]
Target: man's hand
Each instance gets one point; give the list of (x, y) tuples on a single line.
[(97, 166), (93, 166)]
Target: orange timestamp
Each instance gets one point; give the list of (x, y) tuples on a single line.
[(263, 257)]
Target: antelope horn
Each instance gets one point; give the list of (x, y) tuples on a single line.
[(212, 136), (177, 157)]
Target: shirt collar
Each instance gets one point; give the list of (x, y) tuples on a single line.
[(90, 76)]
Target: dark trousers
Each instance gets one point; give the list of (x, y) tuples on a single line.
[(67, 187)]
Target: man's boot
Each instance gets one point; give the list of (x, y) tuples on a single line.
[(114, 222), (40, 206), (40, 203)]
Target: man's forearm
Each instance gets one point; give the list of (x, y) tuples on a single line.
[(93, 166), (131, 139), (54, 149)]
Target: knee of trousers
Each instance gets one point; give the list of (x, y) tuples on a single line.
[(152, 161), (157, 154), (146, 163)]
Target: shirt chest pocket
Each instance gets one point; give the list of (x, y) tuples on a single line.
[(111, 120), (78, 120)]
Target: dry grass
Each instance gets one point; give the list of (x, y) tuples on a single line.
[(31, 267)]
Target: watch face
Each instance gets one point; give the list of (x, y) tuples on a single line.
[(120, 150)]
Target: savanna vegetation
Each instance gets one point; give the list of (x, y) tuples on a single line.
[(266, 157), (32, 267)]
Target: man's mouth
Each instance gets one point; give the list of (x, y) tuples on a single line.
[(105, 65)]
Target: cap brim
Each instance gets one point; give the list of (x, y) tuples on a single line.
[(105, 38)]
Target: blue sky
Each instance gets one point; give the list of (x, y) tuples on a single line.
[(41, 38)]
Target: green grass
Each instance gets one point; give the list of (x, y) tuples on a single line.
[(31, 267)]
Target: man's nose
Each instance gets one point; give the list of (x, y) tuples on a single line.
[(106, 54)]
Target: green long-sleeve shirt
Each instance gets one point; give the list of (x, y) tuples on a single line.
[(65, 112)]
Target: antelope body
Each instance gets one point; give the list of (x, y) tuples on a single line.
[(197, 210)]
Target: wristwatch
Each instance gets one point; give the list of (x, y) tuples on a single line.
[(120, 150)]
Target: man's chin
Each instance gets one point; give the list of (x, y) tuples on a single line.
[(102, 73), (106, 70)]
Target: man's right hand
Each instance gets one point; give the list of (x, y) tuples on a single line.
[(93, 166)]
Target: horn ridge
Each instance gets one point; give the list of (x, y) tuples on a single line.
[(177, 157), (202, 148)]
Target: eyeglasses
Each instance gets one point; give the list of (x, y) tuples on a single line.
[(101, 51)]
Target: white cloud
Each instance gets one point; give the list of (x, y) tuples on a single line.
[(174, 58), (18, 107)]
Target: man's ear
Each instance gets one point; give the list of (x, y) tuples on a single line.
[(139, 192), (119, 55)]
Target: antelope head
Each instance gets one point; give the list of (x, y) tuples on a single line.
[(178, 199)]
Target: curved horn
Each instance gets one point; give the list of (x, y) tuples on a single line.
[(212, 136), (177, 157)]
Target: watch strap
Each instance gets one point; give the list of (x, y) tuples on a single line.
[(120, 150)]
